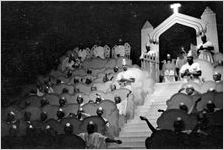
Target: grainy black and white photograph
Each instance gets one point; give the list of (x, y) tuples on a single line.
[(112, 74)]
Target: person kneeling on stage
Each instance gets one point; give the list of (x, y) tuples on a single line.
[(191, 70)]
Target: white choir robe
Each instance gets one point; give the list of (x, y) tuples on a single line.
[(99, 52)]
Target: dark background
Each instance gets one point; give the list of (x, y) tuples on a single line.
[(35, 34)]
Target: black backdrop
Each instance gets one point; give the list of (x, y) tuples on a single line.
[(34, 34)]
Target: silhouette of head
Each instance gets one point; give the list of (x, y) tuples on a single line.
[(60, 113), (116, 69), (62, 101), (99, 111), (189, 89), (179, 125), (30, 131), (125, 68), (217, 76), (91, 127), (117, 99), (210, 106), (183, 107), (79, 99), (98, 99), (68, 129)]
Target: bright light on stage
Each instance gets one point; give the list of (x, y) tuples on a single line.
[(175, 7)]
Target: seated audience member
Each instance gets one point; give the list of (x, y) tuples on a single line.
[(210, 107), (49, 131), (68, 129), (205, 49), (99, 113), (80, 100), (96, 140), (88, 81), (181, 60), (60, 114), (183, 107), (62, 101), (116, 69), (179, 125), (30, 131), (217, 77), (191, 70), (98, 99), (81, 114)]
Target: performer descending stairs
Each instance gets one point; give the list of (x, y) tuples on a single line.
[(134, 133)]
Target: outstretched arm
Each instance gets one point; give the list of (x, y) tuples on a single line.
[(109, 140), (148, 123)]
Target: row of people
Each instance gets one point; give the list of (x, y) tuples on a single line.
[(75, 57), (48, 138)]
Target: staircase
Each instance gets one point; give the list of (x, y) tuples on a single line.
[(134, 133)]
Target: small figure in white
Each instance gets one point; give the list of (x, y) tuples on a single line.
[(82, 54), (181, 60), (169, 70), (98, 51)]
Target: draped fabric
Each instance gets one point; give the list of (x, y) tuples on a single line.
[(206, 54), (122, 107), (94, 140)]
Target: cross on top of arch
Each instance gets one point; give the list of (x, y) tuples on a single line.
[(175, 7)]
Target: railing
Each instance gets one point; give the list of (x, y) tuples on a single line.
[(150, 63)]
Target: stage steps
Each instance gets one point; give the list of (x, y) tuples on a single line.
[(135, 131)]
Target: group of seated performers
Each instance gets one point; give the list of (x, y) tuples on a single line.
[(184, 67), (86, 100), (193, 119)]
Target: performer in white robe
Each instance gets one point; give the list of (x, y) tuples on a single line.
[(99, 52), (205, 49), (191, 70), (169, 70)]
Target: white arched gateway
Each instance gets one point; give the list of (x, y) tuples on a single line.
[(149, 35)]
